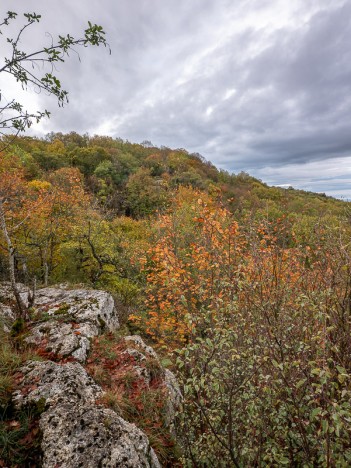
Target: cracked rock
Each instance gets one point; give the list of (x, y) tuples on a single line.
[(77, 316), (77, 432)]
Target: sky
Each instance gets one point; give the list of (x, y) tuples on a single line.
[(261, 86)]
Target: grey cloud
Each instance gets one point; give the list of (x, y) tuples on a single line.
[(234, 81)]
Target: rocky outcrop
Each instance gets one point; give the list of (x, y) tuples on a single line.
[(77, 431), (83, 305), (65, 320), (72, 318)]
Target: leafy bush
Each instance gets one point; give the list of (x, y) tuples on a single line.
[(252, 400), (263, 326)]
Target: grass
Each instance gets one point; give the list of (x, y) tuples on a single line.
[(118, 403), (130, 395), (20, 437), (19, 429)]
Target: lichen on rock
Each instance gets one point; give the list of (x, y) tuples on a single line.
[(77, 431), (77, 427), (77, 316)]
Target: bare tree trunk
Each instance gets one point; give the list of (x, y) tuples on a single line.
[(46, 274), (11, 253), (45, 264), (31, 294)]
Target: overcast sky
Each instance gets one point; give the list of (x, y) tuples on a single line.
[(262, 86)]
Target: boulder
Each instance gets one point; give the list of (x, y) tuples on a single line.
[(72, 317), (138, 342), (55, 383), (77, 431), (82, 305), (142, 354)]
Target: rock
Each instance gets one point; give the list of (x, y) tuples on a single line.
[(90, 436), (139, 343), (77, 316), (6, 294), (77, 432), (7, 317), (141, 355), (138, 358), (63, 339), (174, 400), (55, 383), (83, 305), (8, 304)]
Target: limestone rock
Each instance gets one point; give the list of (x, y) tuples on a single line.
[(55, 383), (77, 315), (6, 294), (90, 436), (83, 305), (77, 432), (63, 339), (138, 342)]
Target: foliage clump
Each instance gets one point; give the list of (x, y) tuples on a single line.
[(262, 326)]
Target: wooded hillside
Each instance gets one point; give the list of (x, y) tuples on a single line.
[(244, 288)]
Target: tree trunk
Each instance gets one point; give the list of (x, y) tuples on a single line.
[(46, 274)]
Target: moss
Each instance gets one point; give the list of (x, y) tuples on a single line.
[(101, 322), (40, 406), (40, 316), (45, 317), (107, 422), (62, 310)]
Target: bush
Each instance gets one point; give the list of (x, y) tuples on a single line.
[(253, 399)]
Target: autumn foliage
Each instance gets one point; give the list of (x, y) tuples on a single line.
[(262, 325), (193, 265), (245, 288)]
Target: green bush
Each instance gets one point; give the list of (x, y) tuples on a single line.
[(261, 392)]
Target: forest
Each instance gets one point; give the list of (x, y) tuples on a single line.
[(243, 289)]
